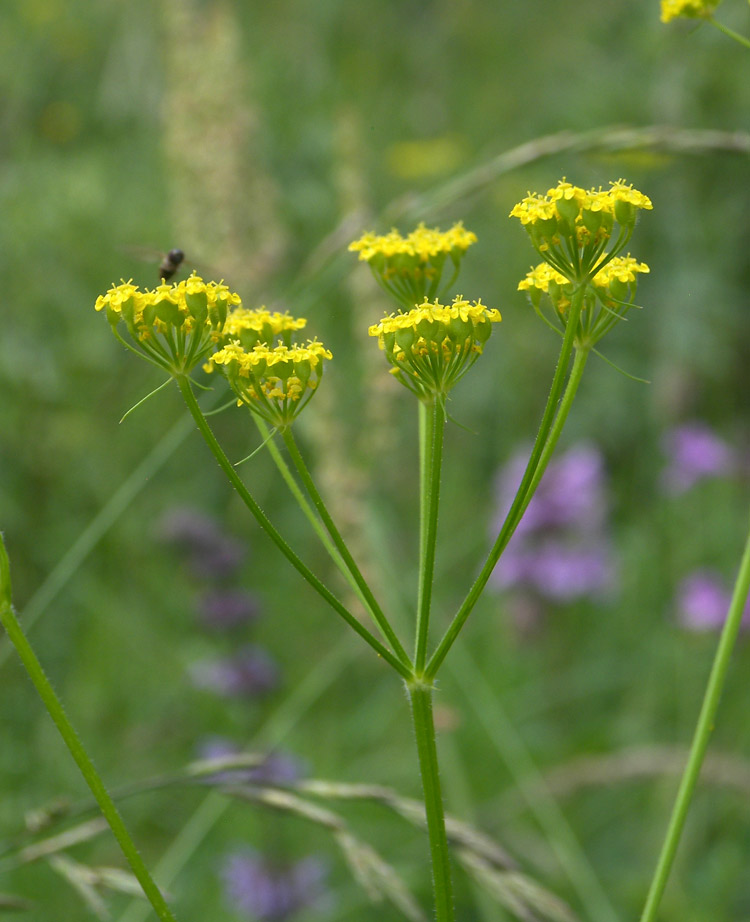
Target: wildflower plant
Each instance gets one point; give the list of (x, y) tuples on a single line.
[(431, 343)]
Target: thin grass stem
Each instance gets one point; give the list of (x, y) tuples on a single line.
[(76, 748), (701, 737)]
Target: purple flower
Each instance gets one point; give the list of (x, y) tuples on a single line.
[(258, 889), (570, 494), (211, 553), (694, 452), (558, 571), (560, 550), (226, 608), (703, 602), (247, 673), (273, 767)]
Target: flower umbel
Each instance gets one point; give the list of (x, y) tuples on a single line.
[(174, 326), (410, 268), (609, 296), (703, 9), (433, 346), (576, 230), (251, 327), (275, 382)]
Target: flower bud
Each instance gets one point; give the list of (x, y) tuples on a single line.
[(197, 304)]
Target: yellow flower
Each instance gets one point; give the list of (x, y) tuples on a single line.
[(571, 227), (606, 299), (671, 9), (172, 325), (620, 191), (411, 267), (534, 208), (261, 321), (433, 345), (424, 243), (621, 269), (540, 277), (117, 296), (275, 382)]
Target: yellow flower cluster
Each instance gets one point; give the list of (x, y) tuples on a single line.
[(607, 297), (621, 191), (575, 230), (267, 323), (424, 243), (274, 381), (566, 202), (671, 9), (250, 327), (433, 345), (540, 277), (263, 357), (177, 326), (411, 268), (435, 313), (187, 303), (174, 326), (619, 268)]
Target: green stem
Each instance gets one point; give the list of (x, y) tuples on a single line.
[(370, 601), (424, 730), (308, 510), (425, 437), (576, 373), (302, 501), (523, 495), (226, 465), (701, 737), (72, 741), (429, 492), (730, 32)]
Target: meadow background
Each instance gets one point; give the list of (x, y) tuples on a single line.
[(261, 138)]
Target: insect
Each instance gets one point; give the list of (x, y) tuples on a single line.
[(170, 263)]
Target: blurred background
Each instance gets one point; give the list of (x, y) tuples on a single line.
[(261, 139)]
